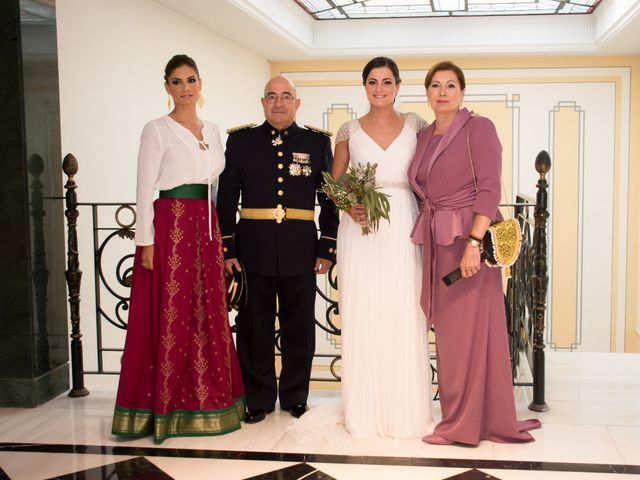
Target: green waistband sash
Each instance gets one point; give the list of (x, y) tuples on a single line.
[(188, 190)]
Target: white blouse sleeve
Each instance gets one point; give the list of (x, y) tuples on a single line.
[(217, 161), (218, 155), (149, 159)]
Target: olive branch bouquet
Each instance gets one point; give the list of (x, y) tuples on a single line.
[(358, 186)]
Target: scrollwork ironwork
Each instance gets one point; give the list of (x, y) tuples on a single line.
[(525, 297), (123, 275)]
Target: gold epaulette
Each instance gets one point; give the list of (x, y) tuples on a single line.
[(240, 127), (319, 130)]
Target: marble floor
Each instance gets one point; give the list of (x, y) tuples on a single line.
[(591, 432)]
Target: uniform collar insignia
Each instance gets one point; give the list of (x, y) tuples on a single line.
[(239, 128), (278, 136), (319, 130)]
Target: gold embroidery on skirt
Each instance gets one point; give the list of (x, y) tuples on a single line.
[(132, 422), (207, 422), (218, 239), (168, 338), (200, 336), (226, 335)]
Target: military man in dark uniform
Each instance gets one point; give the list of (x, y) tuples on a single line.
[(276, 168)]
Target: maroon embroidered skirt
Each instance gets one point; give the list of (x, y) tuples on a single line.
[(180, 374)]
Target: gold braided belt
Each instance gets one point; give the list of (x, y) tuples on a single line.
[(278, 214)]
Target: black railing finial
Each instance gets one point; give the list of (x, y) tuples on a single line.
[(540, 281), (74, 276)]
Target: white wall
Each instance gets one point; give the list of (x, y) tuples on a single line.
[(111, 61), (111, 56)]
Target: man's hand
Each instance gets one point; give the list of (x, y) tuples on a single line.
[(230, 264), (322, 266)]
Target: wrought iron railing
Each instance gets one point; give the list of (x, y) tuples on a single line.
[(525, 297)]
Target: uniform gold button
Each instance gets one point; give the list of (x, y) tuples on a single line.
[(331, 250), (273, 132), (280, 154), (286, 132), (225, 249), (280, 179), (280, 166), (280, 193)]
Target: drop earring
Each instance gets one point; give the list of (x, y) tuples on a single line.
[(169, 102), (200, 101)]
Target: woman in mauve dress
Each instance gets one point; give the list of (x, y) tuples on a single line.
[(180, 374), (455, 175)]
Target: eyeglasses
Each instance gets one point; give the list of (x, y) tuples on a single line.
[(285, 97)]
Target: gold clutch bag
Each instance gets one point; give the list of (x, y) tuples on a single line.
[(502, 244)]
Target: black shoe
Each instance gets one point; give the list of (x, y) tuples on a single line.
[(297, 410), (255, 415)]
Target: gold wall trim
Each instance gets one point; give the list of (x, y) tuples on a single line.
[(566, 210), (624, 321)]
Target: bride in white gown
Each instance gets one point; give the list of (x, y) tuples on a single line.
[(386, 380)]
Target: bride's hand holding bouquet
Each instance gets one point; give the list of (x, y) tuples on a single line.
[(357, 214), (356, 192)]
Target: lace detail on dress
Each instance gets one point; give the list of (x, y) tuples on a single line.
[(346, 130), (415, 121)]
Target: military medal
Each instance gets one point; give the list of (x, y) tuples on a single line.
[(295, 170), (301, 165), (276, 141)]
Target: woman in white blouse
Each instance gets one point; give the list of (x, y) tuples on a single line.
[(180, 374)]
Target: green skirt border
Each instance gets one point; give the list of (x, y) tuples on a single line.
[(135, 422)]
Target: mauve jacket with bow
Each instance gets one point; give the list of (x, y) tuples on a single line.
[(448, 207)]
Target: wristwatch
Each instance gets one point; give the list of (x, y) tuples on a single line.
[(474, 242)]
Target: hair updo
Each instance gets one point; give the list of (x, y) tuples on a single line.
[(378, 62), (178, 61)]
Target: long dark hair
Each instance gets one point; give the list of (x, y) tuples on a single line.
[(178, 61), (378, 62)]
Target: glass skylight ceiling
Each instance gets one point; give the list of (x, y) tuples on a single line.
[(348, 9)]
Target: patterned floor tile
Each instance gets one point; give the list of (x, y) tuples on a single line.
[(294, 472), (472, 475), (134, 469)]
